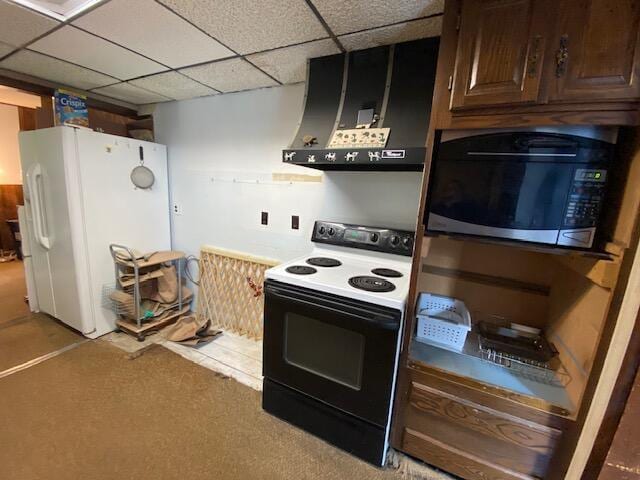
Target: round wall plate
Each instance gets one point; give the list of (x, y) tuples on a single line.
[(142, 177)]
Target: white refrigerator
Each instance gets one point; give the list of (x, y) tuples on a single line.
[(79, 198)]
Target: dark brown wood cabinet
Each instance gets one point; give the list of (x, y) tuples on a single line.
[(512, 63), (566, 61), (500, 53), (596, 51), (465, 429)]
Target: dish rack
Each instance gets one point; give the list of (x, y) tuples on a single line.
[(443, 321), (551, 373)]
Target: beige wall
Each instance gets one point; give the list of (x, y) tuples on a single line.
[(9, 151)]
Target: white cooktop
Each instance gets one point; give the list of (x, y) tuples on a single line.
[(355, 262)]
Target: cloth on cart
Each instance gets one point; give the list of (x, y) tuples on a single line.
[(191, 330), (137, 255), (166, 286)]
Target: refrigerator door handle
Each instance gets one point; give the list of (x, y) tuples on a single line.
[(38, 212)]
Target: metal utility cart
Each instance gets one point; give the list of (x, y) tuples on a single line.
[(130, 273)]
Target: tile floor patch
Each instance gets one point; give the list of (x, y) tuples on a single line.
[(229, 354)]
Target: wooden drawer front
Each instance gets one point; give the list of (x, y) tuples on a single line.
[(509, 403), (453, 460), (502, 440)]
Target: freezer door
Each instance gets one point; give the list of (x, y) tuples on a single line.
[(46, 156), (114, 211), (27, 241)]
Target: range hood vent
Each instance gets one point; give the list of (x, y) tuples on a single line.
[(368, 109)]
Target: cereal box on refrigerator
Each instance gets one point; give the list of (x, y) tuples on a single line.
[(71, 109)]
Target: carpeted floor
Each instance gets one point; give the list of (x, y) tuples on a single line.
[(30, 337), (96, 412), (12, 291)]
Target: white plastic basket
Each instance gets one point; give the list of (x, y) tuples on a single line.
[(442, 320)]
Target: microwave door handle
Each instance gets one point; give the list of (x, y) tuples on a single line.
[(387, 323), (550, 143)]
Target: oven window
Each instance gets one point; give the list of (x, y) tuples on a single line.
[(334, 353)]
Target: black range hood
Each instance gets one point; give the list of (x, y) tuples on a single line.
[(387, 89)]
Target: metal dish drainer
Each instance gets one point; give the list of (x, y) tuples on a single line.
[(550, 373)]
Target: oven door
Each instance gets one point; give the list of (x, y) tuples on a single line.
[(336, 350)]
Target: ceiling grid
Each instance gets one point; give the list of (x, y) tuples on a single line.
[(149, 51)]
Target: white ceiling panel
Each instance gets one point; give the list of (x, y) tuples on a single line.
[(403, 32), (289, 64), (149, 28), (230, 75), (174, 85), (87, 50), (19, 25), (5, 49), (41, 66), (352, 16), (248, 26), (130, 93)]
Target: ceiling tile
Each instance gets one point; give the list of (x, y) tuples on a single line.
[(289, 64), (87, 50), (247, 26), (403, 32), (5, 49), (352, 16), (131, 93), (173, 85), (32, 63), (149, 28), (20, 25), (230, 75)]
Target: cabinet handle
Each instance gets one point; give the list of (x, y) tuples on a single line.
[(534, 57), (562, 55)]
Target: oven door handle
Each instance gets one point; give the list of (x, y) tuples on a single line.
[(382, 321)]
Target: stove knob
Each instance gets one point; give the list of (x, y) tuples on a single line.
[(374, 237), (331, 231), (321, 230), (395, 240), (407, 242)]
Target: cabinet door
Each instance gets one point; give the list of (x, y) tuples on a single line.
[(597, 50), (500, 53)]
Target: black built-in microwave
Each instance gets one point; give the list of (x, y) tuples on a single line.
[(533, 186)]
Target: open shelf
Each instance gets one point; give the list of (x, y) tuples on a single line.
[(468, 364), (153, 259)]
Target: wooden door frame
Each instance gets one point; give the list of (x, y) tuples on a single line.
[(47, 91), (616, 406), (610, 359)]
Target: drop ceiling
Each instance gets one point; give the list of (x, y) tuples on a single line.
[(149, 51)]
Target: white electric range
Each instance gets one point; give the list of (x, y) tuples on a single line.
[(384, 277), (332, 330)]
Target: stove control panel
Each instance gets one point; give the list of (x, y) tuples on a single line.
[(399, 242)]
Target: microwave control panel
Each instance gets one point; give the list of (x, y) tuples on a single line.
[(585, 198)]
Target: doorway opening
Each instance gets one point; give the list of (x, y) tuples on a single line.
[(19, 111)]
